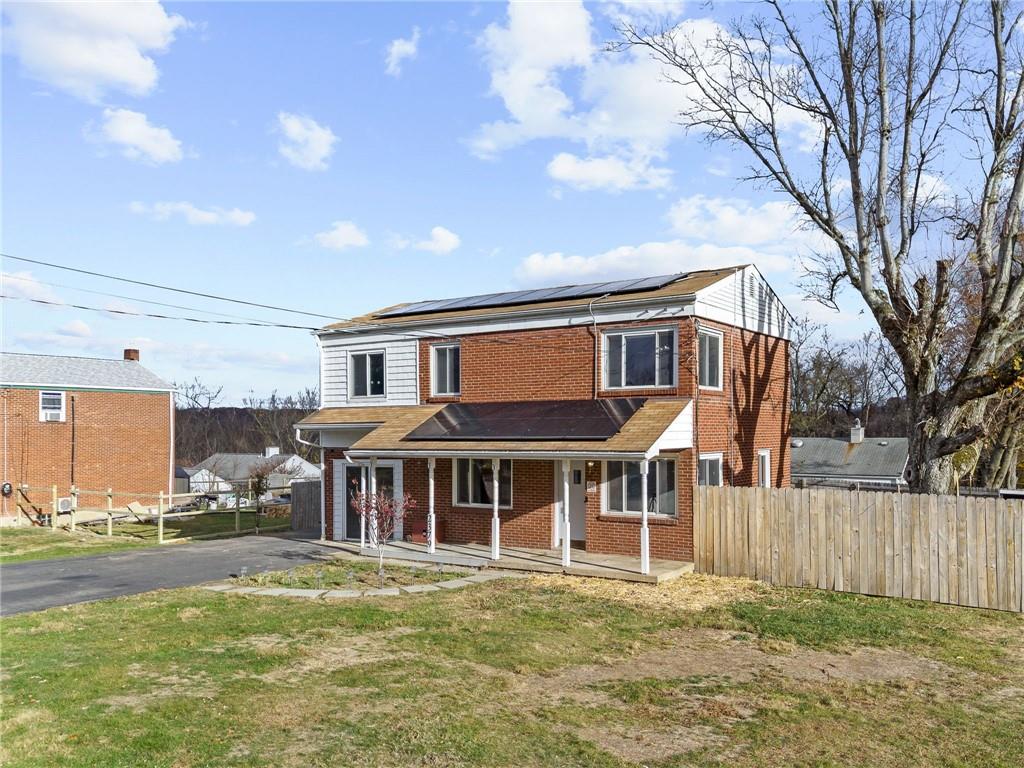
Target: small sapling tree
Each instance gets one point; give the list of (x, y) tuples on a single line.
[(381, 512)]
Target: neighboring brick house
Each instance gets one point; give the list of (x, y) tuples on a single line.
[(569, 392), (88, 422)]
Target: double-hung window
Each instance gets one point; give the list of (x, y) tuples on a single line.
[(709, 469), (709, 361), (447, 360), (51, 406), (366, 374), (624, 486), (474, 483), (640, 359)]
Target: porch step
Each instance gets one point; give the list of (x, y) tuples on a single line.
[(421, 556)]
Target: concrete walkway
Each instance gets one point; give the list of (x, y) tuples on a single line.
[(40, 584), (525, 559)]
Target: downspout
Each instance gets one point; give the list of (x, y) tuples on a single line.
[(593, 322)]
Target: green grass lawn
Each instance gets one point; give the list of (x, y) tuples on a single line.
[(539, 672), (33, 543)]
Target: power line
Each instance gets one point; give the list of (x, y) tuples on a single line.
[(127, 298), (206, 321), (169, 288)]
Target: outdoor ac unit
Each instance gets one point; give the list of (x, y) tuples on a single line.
[(53, 416), (64, 504)]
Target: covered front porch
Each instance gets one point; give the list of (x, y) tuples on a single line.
[(605, 566)]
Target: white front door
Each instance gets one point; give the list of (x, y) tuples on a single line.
[(346, 480), (577, 502)]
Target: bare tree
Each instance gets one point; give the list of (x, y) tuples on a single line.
[(914, 175), (381, 512)]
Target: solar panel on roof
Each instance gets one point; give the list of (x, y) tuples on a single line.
[(533, 296)]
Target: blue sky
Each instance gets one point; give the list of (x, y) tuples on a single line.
[(338, 157)]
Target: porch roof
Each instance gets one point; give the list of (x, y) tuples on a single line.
[(659, 424)]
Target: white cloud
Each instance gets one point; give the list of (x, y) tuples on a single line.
[(613, 174), (441, 241), (652, 258), (193, 215), (90, 48), (78, 329), (342, 235), (737, 221), (137, 138), (23, 285), (401, 49), (306, 143)]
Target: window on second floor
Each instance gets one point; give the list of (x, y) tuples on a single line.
[(366, 374), (639, 359), (51, 406), (709, 469), (446, 367), (710, 359)]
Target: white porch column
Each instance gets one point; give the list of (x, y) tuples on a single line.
[(362, 520), (373, 501), (645, 533), (495, 520), (431, 520), (566, 537)]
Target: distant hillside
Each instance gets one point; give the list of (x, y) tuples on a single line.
[(199, 432)]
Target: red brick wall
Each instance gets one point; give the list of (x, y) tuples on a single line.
[(122, 441)]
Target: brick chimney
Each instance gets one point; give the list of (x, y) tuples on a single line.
[(856, 432), (131, 354)]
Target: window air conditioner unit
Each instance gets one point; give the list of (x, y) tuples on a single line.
[(64, 504), (53, 416)]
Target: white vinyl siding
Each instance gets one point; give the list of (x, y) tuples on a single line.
[(747, 301), (400, 371)]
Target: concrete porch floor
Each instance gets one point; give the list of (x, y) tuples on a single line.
[(584, 563)]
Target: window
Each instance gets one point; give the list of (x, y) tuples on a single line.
[(473, 478), (710, 363), (764, 468), (640, 359), (624, 487), (447, 369), (51, 406), (709, 469), (366, 374)]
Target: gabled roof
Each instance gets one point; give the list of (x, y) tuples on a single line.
[(671, 286), (837, 457), (240, 466), (25, 370)]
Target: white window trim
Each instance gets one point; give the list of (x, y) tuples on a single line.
[(433, 370), (721, 356), (351, 368), (606, 510), (63, 404), (721, 465), (645, 331), (766, 452), (455, 487)]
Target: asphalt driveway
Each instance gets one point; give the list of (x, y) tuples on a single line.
[(40, 584)]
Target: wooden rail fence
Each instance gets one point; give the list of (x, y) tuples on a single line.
[(948, 549)]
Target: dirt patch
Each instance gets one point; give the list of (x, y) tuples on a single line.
[(692, 592), (649, 744), (168, 684), (191, 613)]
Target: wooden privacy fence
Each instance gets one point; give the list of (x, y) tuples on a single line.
[(306, 505), (948, 549)]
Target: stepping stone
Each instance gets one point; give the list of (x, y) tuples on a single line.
[(245, 590), (454, 583), (343, 593), (480, 578), (414, 588), (390, 591), (307, 593), (219, 587)]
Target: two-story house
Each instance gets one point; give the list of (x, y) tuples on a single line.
[(87, 423), (589, 409)]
